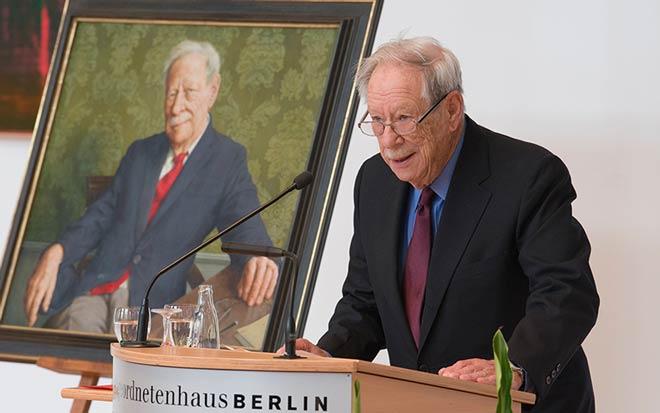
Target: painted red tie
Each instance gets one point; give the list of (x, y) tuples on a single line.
[(163, 187), (417, 263)]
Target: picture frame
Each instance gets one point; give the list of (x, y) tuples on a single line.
[(287, 96)]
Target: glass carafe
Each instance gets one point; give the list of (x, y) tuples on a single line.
[(207, 326)]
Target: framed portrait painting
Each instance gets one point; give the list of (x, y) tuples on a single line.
[(106, 137)]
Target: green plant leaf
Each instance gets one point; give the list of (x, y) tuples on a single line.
[(503, 373), (356, 397)]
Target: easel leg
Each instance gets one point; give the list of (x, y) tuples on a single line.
[(82, 406)]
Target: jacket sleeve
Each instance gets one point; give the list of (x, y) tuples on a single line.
[(85, 234), (355, 329), (239, 199), (554, 253)]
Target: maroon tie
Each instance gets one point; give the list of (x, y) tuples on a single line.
[(417, 263), (165, 183)]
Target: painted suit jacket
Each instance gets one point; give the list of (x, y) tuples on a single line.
[(212, 191)]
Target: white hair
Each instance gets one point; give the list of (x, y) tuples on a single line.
[(187, 47), (440, 68)]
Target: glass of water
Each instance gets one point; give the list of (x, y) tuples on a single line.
[(126, 323), (166, 312), (181, 324)]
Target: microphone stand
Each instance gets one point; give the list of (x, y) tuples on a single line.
[(274, 252), (290, 334)]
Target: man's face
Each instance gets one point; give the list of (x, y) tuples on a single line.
[(395, 92), (188, 99)]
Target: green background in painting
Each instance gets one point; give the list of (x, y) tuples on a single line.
[(273, 83)]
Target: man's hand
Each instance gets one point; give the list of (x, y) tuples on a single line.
[(42, 283), (258, 280), (305, 345), (477, 370)]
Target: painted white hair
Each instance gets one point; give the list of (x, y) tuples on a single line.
[(187, 47), (440, 68)]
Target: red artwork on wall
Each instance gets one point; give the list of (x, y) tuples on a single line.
[(28, 30)]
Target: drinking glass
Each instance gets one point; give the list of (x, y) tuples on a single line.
[(181, 324), (166, 313), (126, 323)]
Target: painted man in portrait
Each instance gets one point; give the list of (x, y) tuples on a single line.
[(168, 193)]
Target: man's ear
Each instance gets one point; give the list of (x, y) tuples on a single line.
[(215, 90), (455, 109)]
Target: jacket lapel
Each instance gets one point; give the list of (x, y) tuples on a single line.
[(390, 205), (463, 209), (193, 166), (153, 165)]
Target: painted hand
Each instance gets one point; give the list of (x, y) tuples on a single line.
[(42, 283), (258, 281)]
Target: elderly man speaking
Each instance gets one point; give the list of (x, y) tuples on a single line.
[(459, 230), (170, 190)]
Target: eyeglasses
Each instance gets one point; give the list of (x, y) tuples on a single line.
[(401, 127)]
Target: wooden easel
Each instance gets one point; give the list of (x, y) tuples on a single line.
[(89, 371)]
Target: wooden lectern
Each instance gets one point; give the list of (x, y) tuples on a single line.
[(184, 379)]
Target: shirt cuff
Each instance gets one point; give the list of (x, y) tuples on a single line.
[(523, 374)]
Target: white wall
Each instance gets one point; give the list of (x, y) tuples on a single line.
[(576, 77)]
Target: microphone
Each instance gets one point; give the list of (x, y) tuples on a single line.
[(258, 250), (305, 178), (274, 252), (299, 182)]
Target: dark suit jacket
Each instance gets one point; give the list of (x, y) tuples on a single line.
[(212, 191), (507, 252)]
